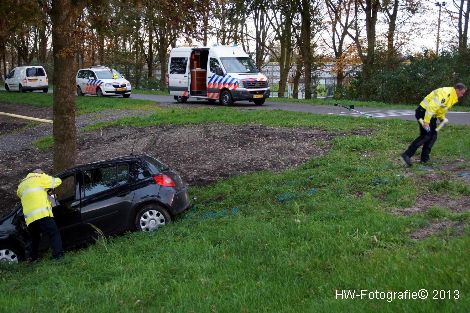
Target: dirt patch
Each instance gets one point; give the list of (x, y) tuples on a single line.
[(455, 227), (9, 124), (200, 153), (427, 201), (27, 110)]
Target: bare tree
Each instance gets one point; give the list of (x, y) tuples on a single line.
[(342, 20)]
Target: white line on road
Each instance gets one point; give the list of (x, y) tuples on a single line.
[(27, 117)]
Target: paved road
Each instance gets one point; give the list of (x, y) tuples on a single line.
[(460, 118)]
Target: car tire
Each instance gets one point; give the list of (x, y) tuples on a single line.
[(79, 91), (20, 88), (150, 217), (45, 90), (226, 98), (99, 93), (126, 96), (9, 254), (181, 99), (259, 101)]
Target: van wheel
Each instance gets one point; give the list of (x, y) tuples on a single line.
[(7, 88), (99, 93), (226, 98), (151, 217), (181, 99), (45, 90), (9, 254), (259, 101), (79, 91), (20, 88)]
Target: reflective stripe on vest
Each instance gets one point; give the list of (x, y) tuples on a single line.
[(37, 211), (31, 190), (52, 182)]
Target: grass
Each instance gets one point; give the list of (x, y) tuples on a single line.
[(358, 104), (88, 104), (274, 242)]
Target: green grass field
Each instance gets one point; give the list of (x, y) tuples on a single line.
[(277, 242), (88, 104)]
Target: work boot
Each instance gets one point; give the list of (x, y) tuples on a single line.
[(406, 159)]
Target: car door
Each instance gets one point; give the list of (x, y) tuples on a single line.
[(106, 197), (214, 75), (178, 77), (9, 80), (66, 209)]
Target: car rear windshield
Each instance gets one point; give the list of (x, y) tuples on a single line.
[(35, 71), (155, 166)]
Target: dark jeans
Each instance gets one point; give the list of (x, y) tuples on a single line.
[(46, 226), (425, 139)]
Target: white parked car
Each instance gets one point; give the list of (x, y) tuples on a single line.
[(102, 81), (27, 78)]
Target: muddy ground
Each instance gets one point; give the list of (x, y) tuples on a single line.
[(200, 153)]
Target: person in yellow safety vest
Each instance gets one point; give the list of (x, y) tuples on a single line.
[(37, 210), (433, 107)]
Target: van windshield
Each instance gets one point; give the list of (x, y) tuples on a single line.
[(239, 65)]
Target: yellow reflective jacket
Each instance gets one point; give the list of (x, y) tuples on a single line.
[(33, 194), (438, 102)]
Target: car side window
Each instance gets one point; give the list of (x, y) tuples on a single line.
[(178, 65), (81, 74), (104, 178), (91, 75), (214, 65), (66, 190), (11, 74), (138, 172)]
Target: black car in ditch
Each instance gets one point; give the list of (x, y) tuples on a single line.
[(107, 197)]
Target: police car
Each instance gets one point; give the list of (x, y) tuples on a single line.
[(102, 81)]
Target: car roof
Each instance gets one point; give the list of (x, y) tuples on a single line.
[(107, 161)]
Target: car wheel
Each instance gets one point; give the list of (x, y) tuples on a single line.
[(259, 101), (99, 93), (126, 96), (7, 88), (45, 90), (226, 98), (79, 91), (181, 99), (9, 254), (20, 88), (151, 217)]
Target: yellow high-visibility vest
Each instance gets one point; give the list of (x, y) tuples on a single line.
[(438, 102), (33, 194)]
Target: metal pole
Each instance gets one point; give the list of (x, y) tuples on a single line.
[(440, 5)]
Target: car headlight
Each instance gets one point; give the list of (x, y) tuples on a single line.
[(108, 85)]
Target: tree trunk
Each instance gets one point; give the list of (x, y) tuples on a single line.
[(305, 47), (392, 25), (63, 16), (150, 56), (298, 74)]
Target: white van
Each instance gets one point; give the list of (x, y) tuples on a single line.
[(224, 73), (27, 78)]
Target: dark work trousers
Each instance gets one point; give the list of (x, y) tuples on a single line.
[(48, 227), (425, 139)]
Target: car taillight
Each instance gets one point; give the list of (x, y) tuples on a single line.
[(164, 180)]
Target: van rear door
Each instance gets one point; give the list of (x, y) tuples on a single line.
[(36, 77), (178, 76)]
